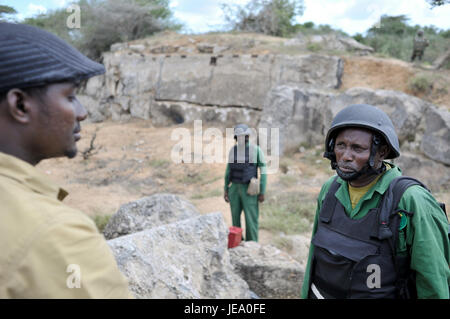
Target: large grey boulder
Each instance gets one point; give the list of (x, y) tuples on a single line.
[(433, 174), (436, 139), (269, 272), (405, 111), (169, 113), (148, 212), (184, 259), (329, 42), (310, 71), (298, 113), (297, 246), (136, 83)]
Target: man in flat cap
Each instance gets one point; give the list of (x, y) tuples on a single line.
[(47, 250)]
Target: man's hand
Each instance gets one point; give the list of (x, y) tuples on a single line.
[(261, 198), (225, 196)]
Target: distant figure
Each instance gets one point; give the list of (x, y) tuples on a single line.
[(420, 43), (244, 160), (48, 250)]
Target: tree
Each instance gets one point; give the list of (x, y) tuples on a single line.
[(104, 22), (437, 3), (5, 11), (272, 17), (393, 25)]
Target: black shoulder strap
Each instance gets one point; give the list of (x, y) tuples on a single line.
[(329, 202), (389, 203)]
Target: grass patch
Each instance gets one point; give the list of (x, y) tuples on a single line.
[(290, 213), (288, 180), (211, 193), (101, 221), (314, 47), (420, 84), (193, 178), (159, 163)]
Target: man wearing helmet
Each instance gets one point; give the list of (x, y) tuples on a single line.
[(243, 162), (350, 256), (420, 43)]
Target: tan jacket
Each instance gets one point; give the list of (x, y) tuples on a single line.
[(48, 250)]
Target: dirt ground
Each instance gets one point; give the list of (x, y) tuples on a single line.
[(391, 74)]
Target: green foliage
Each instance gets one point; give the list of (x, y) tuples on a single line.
[(309, 28), (420, 84), (104, 22), (314, 47), (52, 21), (272, 17), (159, 163), (101, 221), (359, 37), (437, 3), (290, 213), (6, 12), (395, 37), (445, 34), (209, 194)]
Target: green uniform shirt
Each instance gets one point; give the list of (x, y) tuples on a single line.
[(260, 162), (424, 236)]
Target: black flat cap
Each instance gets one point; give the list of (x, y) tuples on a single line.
[(31, 57)]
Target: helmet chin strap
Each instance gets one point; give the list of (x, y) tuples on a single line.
[(367, 170)]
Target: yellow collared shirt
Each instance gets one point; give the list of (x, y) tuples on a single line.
[(48, 250)]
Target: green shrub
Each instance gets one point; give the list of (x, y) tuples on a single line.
[(420, 84), (395, 39), (272, 17), (290, 213), (104, 22), (101, 221), (314, 47)]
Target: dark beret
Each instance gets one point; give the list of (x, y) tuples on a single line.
[(31, 57)]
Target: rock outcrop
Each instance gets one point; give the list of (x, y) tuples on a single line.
[(304, 115), (330, 42), (269, 272), (294, 93), (148, 212), (166, 88), (184, 259)]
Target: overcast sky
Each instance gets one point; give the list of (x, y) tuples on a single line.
[(351, 16)]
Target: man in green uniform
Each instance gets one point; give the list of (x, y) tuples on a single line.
[(348, 257), (420, 43), (243, 162), (48, 250)]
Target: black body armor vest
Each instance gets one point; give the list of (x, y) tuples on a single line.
[(356, 258), (244, 169)]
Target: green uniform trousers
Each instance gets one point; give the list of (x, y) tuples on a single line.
[(240, 200)]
